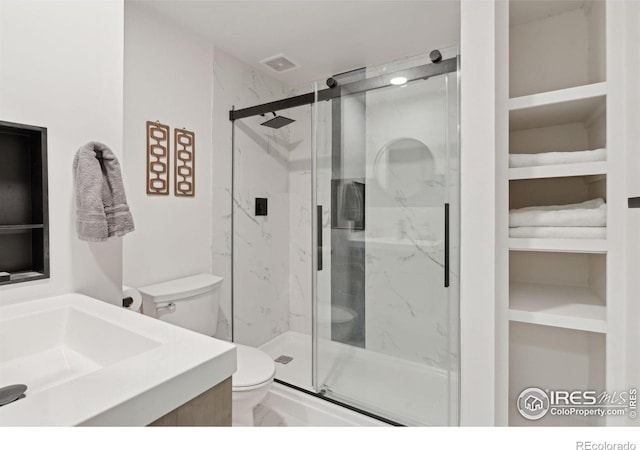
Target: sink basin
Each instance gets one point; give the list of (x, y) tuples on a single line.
[(87, 362), (47, 348)]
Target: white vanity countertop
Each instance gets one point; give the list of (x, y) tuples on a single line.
[(87, 362)]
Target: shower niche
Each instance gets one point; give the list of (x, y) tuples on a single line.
[(24, 218)]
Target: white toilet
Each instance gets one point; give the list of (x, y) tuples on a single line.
[(337, 321), (192, 303), (342, 322)]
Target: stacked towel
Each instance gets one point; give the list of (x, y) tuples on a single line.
[(592, 213), (552, 158), (559, 232), (101, 204), (585, 220)]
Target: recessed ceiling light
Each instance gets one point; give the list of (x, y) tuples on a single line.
[(398, 81)]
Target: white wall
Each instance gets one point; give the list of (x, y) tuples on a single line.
[(559, 138), (478, 212), (596, 22), (632, 262), (168, 77), (622, 176), (61, 68)]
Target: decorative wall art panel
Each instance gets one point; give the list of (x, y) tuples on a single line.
[(184, 163), (157, 158)]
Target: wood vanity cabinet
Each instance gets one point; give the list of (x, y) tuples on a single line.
[(212, 408)]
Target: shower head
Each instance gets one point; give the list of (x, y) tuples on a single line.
[(277, 121)]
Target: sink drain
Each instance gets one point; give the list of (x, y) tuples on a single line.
[(284, 359), (9, 394)]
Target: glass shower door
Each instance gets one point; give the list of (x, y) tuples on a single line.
[(386, 262)]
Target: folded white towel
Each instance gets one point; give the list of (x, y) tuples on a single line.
[(559, 232), (592, 213), (552, 158)]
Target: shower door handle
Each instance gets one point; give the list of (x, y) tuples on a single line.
[(319, 237), (446, 245)]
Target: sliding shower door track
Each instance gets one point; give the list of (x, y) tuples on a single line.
[(342, 404)]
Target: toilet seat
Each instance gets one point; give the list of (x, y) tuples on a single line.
[(255, 369), (337, 313)]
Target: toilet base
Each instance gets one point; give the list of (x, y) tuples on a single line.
[(244, 401), (242, 418)]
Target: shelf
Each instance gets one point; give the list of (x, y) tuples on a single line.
[(559, 245), (577, 308), (21, 227), (560, 170), (587, 91), (572, 105), (20, 277)]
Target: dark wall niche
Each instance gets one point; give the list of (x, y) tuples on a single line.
[(24, 212)]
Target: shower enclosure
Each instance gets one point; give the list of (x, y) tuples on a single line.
[(345, 238)]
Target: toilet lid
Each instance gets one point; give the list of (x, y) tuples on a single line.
[(339, 314), (254, 367)]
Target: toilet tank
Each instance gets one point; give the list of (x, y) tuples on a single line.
[(190, 302)]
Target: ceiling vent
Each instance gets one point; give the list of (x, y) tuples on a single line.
[(279, 63)]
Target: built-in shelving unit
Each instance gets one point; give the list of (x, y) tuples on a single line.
[(24, 217), (557, 288)]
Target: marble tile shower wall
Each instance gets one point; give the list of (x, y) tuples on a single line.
[(273, 253), (261, 251), (407, 308), (300, 232)]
